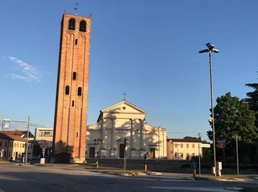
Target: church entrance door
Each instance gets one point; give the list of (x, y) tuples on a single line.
[(152, 153), (121, 151), (92, 152)]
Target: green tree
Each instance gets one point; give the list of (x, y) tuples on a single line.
[(36, 149), (233, 116), (190, 137), (252, 100)]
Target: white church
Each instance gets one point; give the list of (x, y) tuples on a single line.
[(121, 121)]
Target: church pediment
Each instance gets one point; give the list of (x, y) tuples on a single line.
[(124, 107)]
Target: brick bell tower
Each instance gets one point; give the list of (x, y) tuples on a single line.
[(70, 124)]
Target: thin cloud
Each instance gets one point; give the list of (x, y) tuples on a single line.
[(29, 73)]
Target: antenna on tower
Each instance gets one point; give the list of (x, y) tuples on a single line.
[(76, 8), (199, 135)]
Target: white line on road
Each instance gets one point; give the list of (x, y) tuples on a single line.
[(210, 189)]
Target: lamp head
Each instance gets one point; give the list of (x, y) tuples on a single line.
[(215, 50), (210, 46), (203, 51)]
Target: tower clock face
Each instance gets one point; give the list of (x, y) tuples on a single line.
[(6, 125)]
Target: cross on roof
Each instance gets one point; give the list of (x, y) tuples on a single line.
[(124, 96)]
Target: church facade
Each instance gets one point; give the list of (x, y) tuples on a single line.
[(122, 131)]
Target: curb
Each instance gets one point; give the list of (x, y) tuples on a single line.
[(21, 164), (233, 179), (130, 174)]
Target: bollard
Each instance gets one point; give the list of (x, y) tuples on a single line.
[(97, 164), (145, 167), (194, 173), (213, 171)]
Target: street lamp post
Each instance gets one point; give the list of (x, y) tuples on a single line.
[(211, 49)]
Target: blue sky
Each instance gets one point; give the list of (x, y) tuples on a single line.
[(148, 49)]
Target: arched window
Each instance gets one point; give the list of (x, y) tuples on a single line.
[(74, 75), (71, 24), (79, 91), (67, 90), (73, 103), (83, 26)]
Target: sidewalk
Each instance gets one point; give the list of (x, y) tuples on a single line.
[(238, 178)]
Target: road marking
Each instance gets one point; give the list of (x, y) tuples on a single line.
[(210, 189)]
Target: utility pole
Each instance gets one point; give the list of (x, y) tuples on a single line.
[(199, 147), (27, 141), (237, 137)]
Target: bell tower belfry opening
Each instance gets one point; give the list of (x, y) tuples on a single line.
[(70, 123)]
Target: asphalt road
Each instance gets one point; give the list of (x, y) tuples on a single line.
[(15, 178)]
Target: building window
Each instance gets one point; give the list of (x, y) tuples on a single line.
[(46, 133), (79, 91), (71, 24), (1, 144), (74, 75), (73, 103), (83, 26), (23, 145), (182, 145), (76, 41), (67, 90), (187, 156), (193, 154), (193, 146), (187, 145), (5, 144)]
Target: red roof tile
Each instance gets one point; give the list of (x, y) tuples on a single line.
[(185, 140), (11, 137)]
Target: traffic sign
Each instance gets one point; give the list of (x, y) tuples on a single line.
[(6, 124), (193, 165)]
